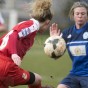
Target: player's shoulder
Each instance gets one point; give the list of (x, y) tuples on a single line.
[(68, 30), (30, 24), (27, 22), (27, 27)]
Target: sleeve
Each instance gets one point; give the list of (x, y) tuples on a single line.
[(13, 42), (25, 28)]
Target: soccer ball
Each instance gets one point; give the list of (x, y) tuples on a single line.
[(54, 46)]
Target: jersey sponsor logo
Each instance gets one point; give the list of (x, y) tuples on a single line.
[(78, 50), (85, 35), (24, 76), (5, 40)]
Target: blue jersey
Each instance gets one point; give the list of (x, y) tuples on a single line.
[(77, 46)]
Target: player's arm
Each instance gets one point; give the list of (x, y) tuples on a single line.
[(13, 49)]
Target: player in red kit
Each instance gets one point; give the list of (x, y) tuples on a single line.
[(15, 44)]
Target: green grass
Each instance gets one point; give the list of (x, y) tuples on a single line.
[(52, 71)]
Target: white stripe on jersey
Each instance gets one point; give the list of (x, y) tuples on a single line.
[(77, 42)]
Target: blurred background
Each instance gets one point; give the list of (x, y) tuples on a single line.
[(52, 71), (14, 11)]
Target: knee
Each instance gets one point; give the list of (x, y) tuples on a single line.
[(38, 79), (35, 79), (62, 86)]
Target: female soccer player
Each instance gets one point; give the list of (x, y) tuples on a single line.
[(15, 44), (76, 38)]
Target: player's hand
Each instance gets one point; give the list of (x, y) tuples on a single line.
[(16, 59), (54, 31)]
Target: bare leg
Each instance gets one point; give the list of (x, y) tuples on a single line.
[(37, 83)]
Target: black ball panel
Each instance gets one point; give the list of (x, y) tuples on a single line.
[(54, 56)]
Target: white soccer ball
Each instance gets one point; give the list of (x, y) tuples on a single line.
[(54, 47)]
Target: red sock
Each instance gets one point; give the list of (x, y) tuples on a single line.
[(34, 86)]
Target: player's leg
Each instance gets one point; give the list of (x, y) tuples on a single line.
[(22, 77), (18, 76), (35, 82), (2, 86), (12, 75), (69, 82), (3, 71)]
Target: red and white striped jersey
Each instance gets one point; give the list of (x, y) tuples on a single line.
[(20, 39)]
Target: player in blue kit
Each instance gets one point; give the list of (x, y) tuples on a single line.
[(76, 38)]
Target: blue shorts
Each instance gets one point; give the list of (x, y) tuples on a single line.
[(75, 81)]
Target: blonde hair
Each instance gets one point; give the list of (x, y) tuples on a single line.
[(41, 10), (75, 5)]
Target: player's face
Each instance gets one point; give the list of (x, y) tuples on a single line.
[(44, 26), (80, 15)]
